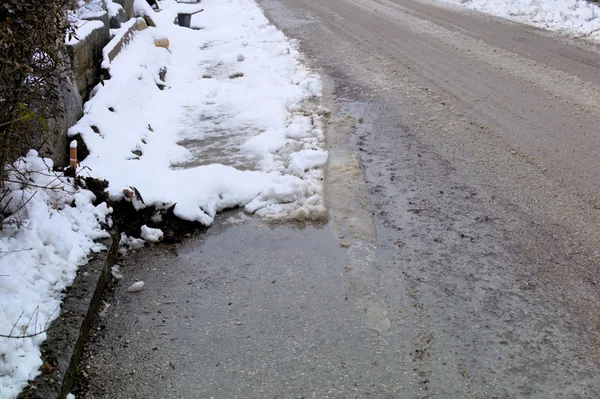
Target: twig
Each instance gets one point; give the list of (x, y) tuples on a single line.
[(23, 336), (47, 187), (3, 253), (16, 322), (21, 207), (16, 250)]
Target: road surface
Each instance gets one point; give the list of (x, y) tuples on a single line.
[(462, 255)]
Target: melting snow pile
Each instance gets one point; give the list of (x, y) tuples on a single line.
[(578, 17), (225, 128), (50, 233), (219, 119)]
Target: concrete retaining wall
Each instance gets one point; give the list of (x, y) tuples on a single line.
[(86, 57)]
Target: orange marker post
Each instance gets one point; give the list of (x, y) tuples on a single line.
[(73, 154)]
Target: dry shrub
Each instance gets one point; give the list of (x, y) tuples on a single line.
[(32, 61)]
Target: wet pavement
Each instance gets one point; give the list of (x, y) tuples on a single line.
[(250, 310), (460, 258)]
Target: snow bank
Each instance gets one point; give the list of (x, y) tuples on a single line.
[(578, 17), (50, 234), (222, 132)]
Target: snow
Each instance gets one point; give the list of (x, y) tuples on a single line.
[(41, 246), (85, 18), (232, 127), (150, 234), (113, 8), (115, 271), (88, 9), (83, 28), (118, 36), (213, 143), (577, 17), (136, 287), (307, 159), (130, 243)]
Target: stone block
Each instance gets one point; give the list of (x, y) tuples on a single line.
[(128, 7), (117, 19), (139, 25), (86, 56)]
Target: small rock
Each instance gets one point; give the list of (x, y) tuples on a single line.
[(345, 244), (206, 76), (241, 58), (136, 287), (236, 75), (162, 42)]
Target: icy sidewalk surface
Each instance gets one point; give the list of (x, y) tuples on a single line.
[(231, 127)]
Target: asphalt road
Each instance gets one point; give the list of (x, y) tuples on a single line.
[(461, 259)]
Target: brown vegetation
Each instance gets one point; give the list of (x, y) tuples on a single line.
[(32, 61)]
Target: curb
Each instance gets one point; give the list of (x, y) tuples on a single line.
[(68, 334)]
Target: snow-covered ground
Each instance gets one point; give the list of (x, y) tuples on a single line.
[(230, 127), (576, 17), (51, 233)]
